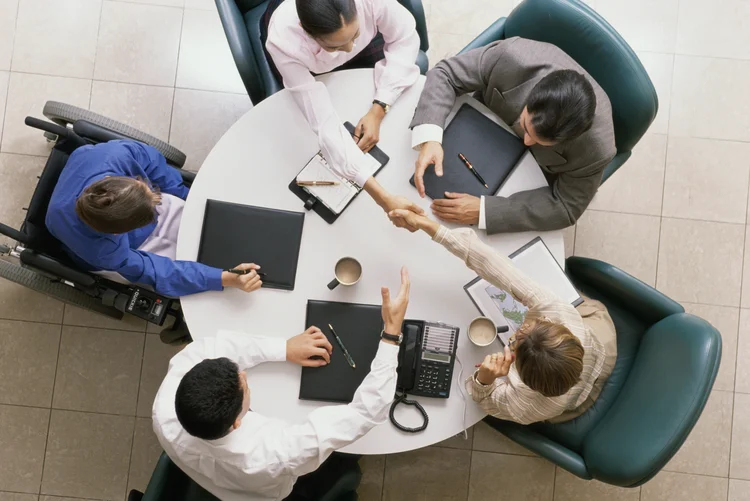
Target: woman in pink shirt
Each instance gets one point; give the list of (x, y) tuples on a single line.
[(309, 37)]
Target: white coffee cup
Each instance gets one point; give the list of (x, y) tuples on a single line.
[(348, 271), (483, 331)]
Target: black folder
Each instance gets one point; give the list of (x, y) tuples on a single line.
[(311, 202), (492, 150), (234, 234), (358, 326)]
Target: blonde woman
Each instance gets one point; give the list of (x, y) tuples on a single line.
[(557, 361)]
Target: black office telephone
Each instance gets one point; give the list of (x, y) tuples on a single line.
[(425, 368)]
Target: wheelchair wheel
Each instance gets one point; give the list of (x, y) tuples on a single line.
[(58, 290), (64, 114)]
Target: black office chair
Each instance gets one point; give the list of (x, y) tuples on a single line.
[(37, 259)]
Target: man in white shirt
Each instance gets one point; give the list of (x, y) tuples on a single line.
[(202, 415)]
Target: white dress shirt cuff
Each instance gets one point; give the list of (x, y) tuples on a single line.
[(387, 353), (386, 96), (424, 133), (482, 215)]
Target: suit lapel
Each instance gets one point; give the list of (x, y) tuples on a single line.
[(546, 156)]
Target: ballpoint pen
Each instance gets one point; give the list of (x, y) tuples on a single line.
[(472, 169), (317, 183), (245, 272), (343, 348)]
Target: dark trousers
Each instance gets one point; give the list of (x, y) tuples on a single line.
[(316, 485)]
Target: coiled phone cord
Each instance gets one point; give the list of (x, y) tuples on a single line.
[(402, 399)]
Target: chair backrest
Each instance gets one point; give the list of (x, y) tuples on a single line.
[(169, 483), (586, 37)]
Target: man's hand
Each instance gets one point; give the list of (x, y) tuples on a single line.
[(248, 283), (312, 343), (408, 219), (430, 153), (398, 202), (457, 208), (394, 310), (494, 366), (368, 128)]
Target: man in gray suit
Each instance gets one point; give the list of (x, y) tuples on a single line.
[(549, 100)]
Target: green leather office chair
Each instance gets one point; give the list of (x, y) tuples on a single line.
[(169, 483), (586, 37), (241, 21), (667, 362)]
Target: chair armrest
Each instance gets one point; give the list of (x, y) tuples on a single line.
[(538, 443), (417, 10), (495, 32), (641, 299), (56, 268), (187, 177), (615, 164)]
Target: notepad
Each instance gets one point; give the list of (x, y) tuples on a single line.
[(336, 198)]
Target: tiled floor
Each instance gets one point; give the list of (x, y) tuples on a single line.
[(76, 389)]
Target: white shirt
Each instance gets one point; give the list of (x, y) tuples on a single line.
[(296, 54), (263, 457)]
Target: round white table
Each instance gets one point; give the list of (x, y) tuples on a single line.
[(253, 164)]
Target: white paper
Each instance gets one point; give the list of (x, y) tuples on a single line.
[(338, 196)]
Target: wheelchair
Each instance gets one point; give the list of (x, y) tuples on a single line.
[(38, 261)]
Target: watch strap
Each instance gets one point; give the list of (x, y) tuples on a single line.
[(383, 105), (396, 338)]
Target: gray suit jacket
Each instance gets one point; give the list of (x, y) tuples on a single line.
[(503, 74)]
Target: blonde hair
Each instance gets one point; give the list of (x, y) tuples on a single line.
[(549, 358)]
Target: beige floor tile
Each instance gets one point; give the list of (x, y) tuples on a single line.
[(628, 241), (19, 178), (166, 3), (739, 490), (27, 94), (660, 68), (55, 41), (156, 359), (206, 62), (569, 237), (371, 486), (23, 433), (200, 118), (28, 358), (14, 496), (474, 16), (8, 14), (98, 370), (638, 185), (706, 179), (739, 463), (516, 477), (146, 452), (59, 498), (709, 98), (487, 439), (645, 24), (717, 28), (698, 261), (87, 455), (442, 473), (19, 303), (568, 487), (726, 320), (746, 271), (706, 450), (86, 318), (742, 379), (144, 107), (667, 486), (458, 441), (153, 40), (445, 45), (200, 4)]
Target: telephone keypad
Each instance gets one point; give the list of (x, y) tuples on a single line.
[(434, 379)]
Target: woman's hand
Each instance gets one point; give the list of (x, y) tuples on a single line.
[(494, 366), (412, 221), (367, 131)]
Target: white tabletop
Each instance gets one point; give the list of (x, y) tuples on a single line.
[(253, 164)]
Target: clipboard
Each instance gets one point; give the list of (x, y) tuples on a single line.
[(311, 202)]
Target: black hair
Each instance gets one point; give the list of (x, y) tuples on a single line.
[(209, 398), (562, 106), (323, 17)]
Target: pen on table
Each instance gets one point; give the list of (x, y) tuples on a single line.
[(343, 348), (245, 272), (317, 183), (472, 169)]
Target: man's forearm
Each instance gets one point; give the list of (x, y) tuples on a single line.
[(377, 192), (533, 210)]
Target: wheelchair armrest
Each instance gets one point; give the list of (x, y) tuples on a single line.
[(495, 32), (187, 177), (56, 268)]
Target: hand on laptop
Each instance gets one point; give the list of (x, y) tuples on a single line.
[(457, 208), (312, 343), (431, 153), (249, 282)]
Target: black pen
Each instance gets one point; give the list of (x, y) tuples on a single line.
[(245, 272), (472, 169), (343, 348)]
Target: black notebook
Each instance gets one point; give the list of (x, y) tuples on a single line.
[(358, 326), (234, 234), (492, 151)]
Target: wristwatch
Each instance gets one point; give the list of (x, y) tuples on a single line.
[(385, 107), (396, 338)]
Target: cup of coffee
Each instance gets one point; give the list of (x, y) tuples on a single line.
[(483, 331), (347, 271)]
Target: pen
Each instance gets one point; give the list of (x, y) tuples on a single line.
[(245, 272), (472, 169), (343, 348), (317, 183)]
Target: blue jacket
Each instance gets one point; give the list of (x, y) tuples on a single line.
[(119, 253)]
